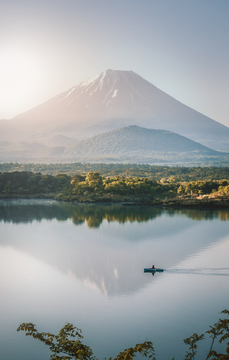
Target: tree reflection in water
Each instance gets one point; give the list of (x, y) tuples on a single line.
[(94, 215)]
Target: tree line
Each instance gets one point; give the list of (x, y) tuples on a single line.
[(95, 187), (155, 172), (28, 183)]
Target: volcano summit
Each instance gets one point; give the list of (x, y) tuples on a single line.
[(109, 101)]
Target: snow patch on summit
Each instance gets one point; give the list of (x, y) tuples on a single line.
[(89, 81), (70, 91), (114, 93)]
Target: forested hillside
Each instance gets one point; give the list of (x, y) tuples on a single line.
[(137, 141), (131, 144)]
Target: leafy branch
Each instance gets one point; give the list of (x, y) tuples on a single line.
[(68, 345)]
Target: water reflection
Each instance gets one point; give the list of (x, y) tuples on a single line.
[(110, 261), (23, 211), (53, 271)]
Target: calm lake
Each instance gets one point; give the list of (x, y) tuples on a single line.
[(84, 264)]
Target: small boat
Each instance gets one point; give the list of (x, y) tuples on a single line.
[(153, 270)]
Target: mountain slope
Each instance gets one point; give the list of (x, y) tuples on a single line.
[(132, 144), (132, 140), (108, 101)]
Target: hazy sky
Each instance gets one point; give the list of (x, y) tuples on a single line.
[(181, 46)]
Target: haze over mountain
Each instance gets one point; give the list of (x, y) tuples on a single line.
[(134, 141), (129, 144), (111, 100)]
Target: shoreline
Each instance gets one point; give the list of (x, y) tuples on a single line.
[(204, 203)]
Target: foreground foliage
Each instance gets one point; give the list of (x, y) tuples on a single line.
[(65, 343), (68, 343)]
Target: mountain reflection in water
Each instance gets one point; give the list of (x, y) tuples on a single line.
[(112, 259)]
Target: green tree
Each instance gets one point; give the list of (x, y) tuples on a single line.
[(68, 343), (221, 328), (61, 344), (191, 341)]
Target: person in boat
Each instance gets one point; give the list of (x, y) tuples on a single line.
[(153, 267)]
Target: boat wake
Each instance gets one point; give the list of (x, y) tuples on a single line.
[(201, 271)]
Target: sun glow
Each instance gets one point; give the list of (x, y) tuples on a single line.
[(21, 75)]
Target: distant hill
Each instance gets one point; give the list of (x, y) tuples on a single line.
[(136, 140), (131, 144), (108, 101), (25, 151), (59, 140), (140, 145)]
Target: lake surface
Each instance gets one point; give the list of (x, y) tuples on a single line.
[(84, 264)]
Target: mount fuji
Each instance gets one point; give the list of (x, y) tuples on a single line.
[(111, 100)]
